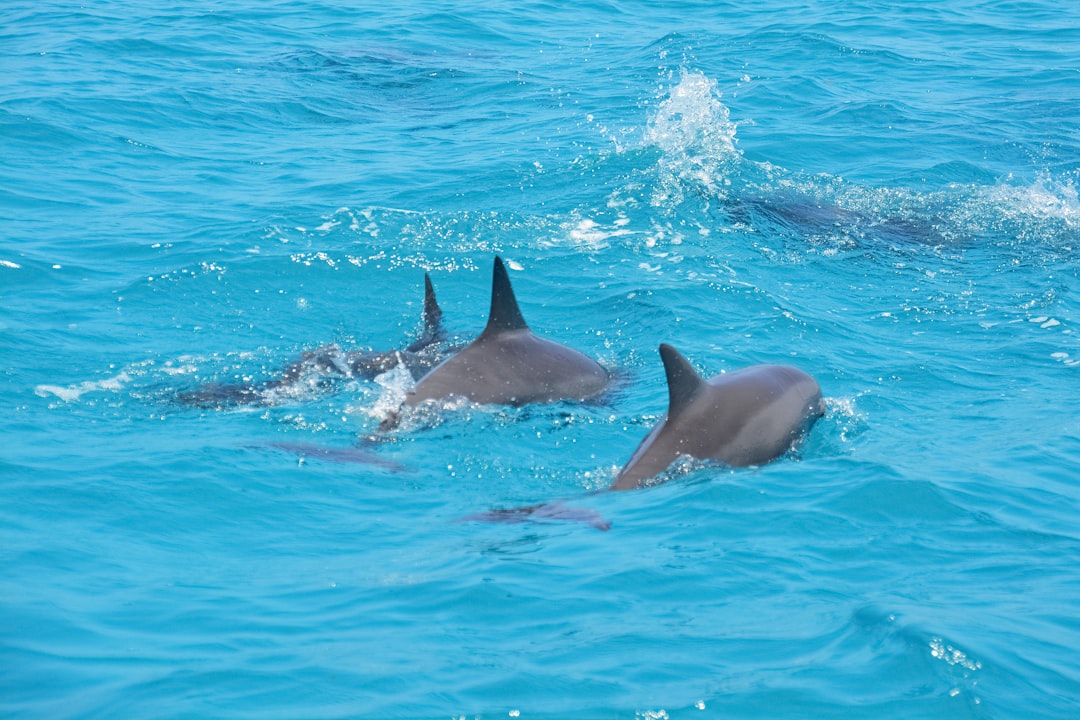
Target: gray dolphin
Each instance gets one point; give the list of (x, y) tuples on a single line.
[(509, 365), (326, 363), (746, 417)]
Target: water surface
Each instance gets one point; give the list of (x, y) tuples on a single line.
[(885, 197)]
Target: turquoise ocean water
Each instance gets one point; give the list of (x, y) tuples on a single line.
[(882, 195)]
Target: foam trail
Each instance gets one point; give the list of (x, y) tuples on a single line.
[(72, 393)]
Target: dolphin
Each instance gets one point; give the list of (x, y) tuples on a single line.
[(747, 417), (509, 365), (328, 362), (809, 217)]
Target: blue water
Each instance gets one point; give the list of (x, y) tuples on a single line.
[(884, 196)]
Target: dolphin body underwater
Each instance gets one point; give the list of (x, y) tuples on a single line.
[(329, 362)]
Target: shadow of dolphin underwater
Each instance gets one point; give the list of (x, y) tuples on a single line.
[(748, 417)]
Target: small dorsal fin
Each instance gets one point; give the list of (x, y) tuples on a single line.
[(682, 379), (504, 314), (432, 311), (433, 330)]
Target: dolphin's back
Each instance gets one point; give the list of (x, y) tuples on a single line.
[(747, 417), (766, 410), (513, 368)]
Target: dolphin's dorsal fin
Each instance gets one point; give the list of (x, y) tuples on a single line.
[(505, 314), (683, 381), (432, 312), (433, 330)]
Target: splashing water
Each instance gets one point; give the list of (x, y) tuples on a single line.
[(693, 130)]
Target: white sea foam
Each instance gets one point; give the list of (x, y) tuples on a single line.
[(692, 116), (395, 384), (951, 655), (586, 232), (1047, 198), (71, 393)]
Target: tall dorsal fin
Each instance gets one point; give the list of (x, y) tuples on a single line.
[(504, 314), (683, 381), (433, 330)]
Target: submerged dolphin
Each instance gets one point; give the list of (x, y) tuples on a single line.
[(509, 365), (746, 417), (325, 363)]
